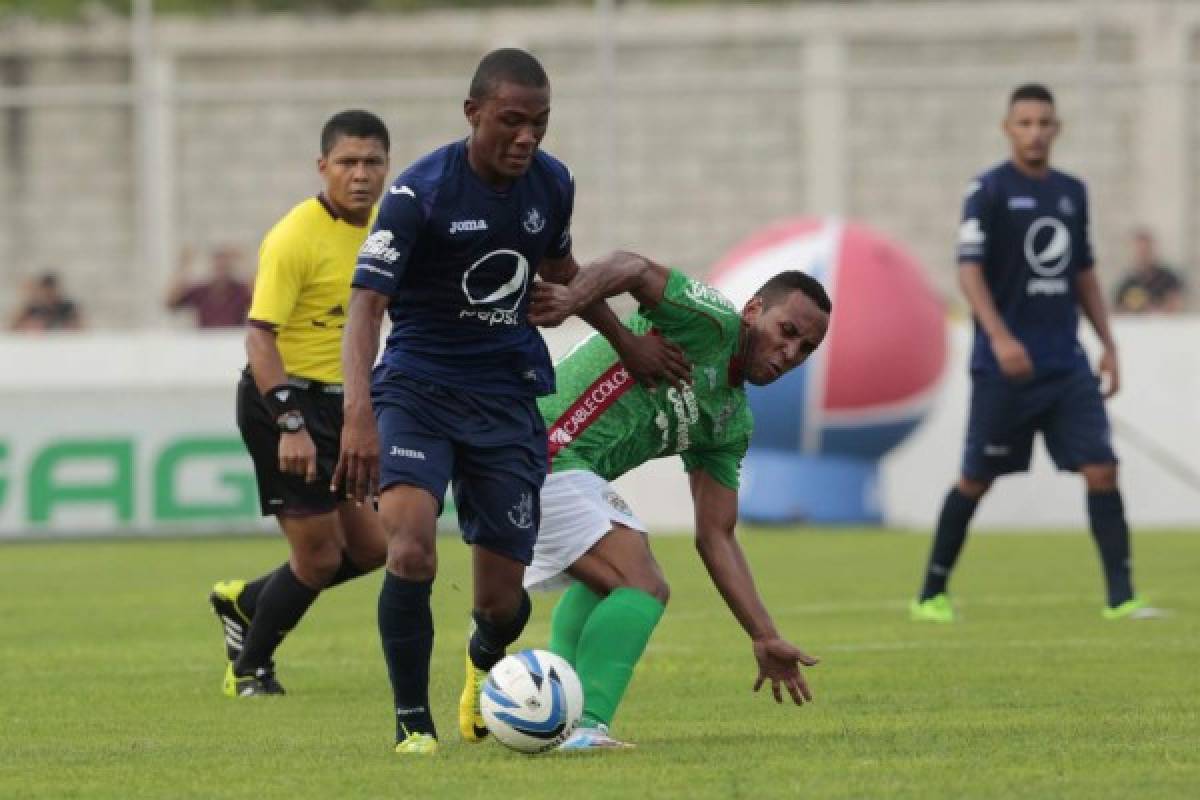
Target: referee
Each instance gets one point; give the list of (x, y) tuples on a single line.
[(289, 403)]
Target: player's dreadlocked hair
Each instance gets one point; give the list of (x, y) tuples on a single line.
[(783, 284), (1030, 91), (507, 65), (359, 124)]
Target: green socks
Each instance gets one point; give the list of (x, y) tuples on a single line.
[(609, 645), (568, 618)]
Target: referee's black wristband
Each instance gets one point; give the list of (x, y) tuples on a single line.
[(281, 399)]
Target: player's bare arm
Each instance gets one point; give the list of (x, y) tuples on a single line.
[(716, 519), (1091, 300), (297, 453), (649, 359), (1010, 354), (617, 273), (357, 471)]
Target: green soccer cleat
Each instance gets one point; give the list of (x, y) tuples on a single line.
[(936, 609), (224, 601), (1133, 608), (417, 744), (470, 717)]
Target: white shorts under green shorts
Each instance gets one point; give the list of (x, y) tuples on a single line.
[(578, 509)]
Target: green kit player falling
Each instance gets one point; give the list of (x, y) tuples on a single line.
[(602, 424)]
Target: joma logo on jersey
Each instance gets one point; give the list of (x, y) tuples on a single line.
[(467, 225)]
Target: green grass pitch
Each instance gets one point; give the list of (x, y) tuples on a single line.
[(111, 668)]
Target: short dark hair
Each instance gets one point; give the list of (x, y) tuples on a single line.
[(360, 124), (793, 280), (1030, 91), (507, 65)]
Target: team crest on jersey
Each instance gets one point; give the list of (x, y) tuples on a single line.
[(1066, 206), (617, 503), (533, 222)]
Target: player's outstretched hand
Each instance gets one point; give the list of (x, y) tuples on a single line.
[(357, 472), (779, 662), (651, 359), (298, 455), (1013, 359), (1110, 375), (550, 304)]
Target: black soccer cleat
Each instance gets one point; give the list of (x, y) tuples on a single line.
[(260, 684), (235, 624)]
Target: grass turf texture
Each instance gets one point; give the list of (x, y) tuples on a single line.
[(112, 666)]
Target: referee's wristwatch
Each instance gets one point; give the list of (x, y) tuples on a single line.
[(290, 422)]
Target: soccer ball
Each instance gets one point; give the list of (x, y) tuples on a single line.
[(531, 701)]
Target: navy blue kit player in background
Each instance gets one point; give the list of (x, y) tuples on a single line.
[(459, 238), (1026, 269)]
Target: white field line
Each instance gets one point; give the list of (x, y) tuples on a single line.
[(999, 601)]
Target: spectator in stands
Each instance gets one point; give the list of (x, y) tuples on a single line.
[(221, 301), (1149, 287), (45, 308)]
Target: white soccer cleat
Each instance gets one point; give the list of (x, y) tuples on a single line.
[(592, 738)]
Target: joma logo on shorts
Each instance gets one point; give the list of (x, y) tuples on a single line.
[(404, 452)]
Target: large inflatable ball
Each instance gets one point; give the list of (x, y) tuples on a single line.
[(820, 430)]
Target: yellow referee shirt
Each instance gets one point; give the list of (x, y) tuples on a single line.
[(302, 287)]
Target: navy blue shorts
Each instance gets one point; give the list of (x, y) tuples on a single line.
[(1066, 407), (493, 448)]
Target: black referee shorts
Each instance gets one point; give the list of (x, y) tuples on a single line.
[(278, 493)]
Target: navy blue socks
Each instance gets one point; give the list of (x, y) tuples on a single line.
[(406, 633), (948, 539), (1106, 512)]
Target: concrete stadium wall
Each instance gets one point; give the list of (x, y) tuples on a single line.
[(719, 120), (124, 433)]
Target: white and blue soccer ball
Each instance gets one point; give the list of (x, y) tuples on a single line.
[(532, 701)]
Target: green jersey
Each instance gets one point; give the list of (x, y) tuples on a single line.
[(603, 421)]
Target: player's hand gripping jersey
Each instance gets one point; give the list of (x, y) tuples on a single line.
[(456, 258), (1031, 237), (602, 421)]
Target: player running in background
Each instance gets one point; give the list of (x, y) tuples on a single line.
[(289, 403), (602, 425), (460, 235), (1026, 269)]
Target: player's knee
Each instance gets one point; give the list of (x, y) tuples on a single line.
[(660, 590), (411, 560), (1100, 477), (973, 487), (317, 564), (652, 584)]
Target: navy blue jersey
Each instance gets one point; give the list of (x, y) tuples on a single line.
[(1031, 236), (457, 257)]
